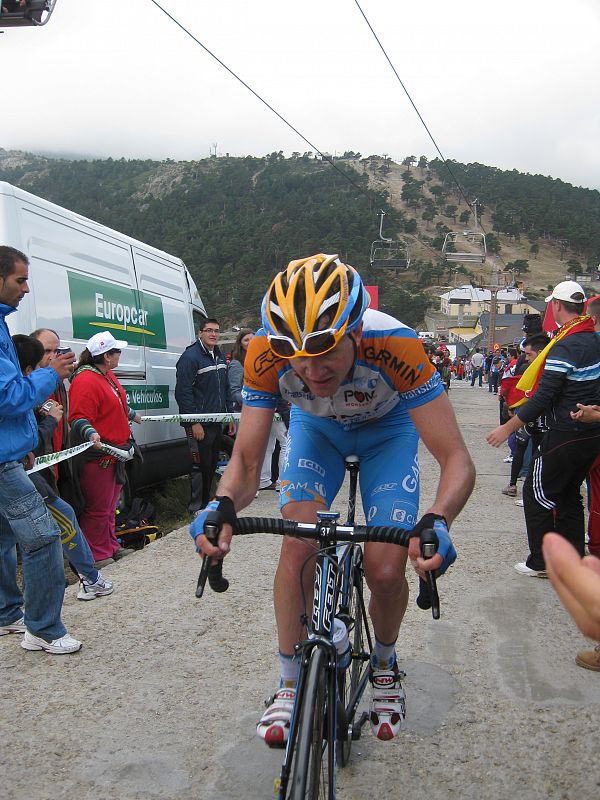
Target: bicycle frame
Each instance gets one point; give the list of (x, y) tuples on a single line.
[(335, 568)]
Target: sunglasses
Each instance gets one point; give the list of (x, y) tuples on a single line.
[(314, 344)]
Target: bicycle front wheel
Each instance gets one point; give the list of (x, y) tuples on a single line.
[(352, 680), (313, 776)]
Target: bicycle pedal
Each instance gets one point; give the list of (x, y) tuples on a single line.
[(358, 726)]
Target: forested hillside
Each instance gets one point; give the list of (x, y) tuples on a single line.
[(533, 205), (235, 221)]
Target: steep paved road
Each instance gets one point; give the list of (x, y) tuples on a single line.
[(163, 698)]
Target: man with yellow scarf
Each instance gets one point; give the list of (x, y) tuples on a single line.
[(565, 373)]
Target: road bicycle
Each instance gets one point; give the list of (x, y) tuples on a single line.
[(335, 655)]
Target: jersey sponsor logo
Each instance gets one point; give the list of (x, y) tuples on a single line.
[(290, 486), (250, 396), (434, 381), (371, 513), (365, 383), (410, 482), (308, 464), (403, 515), (401, 368), (285, 460), (264, 361), (357, 396), (320, 489), (385, 487)]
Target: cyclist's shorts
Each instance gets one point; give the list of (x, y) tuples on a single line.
[(314, 469)]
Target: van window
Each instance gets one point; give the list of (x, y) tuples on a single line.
[(199, 320)]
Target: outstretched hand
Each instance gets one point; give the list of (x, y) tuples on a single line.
[(498, 436), (577, 582), (586, 413)]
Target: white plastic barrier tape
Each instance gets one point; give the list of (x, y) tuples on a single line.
[(42, 462), (193, 418), (118, 452)]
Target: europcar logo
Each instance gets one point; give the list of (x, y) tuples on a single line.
[(98, 305)]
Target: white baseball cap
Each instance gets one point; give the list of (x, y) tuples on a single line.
[(569, 291), (103, 342)]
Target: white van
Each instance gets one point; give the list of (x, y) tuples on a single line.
[(85, 278)]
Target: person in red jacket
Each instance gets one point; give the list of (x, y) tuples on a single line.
[(99, 413)]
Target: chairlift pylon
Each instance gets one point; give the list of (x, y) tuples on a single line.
[(389, 252), (34, 14)]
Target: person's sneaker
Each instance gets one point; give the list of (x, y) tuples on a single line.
[(89, 590), (510, 491), (519, 502), (18, 626), (104, 562), (523, 569), (122, 552), (388, 702), (589, 659), (508, 460), (274, 725), (216, 580), (66, 644)]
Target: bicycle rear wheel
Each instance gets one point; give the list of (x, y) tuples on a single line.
[(349, 680), (313, 775)]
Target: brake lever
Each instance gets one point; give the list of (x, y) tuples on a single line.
[(429, 546), (211, 531)]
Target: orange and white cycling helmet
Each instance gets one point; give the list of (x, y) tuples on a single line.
[(311, 305)]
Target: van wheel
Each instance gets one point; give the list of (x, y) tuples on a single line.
[(224, 453)]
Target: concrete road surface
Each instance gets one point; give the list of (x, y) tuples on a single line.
[(163, 699)]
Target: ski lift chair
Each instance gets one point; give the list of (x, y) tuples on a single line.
[(456, 243), (35, 13), (394, 255)]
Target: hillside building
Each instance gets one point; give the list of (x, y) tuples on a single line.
[(463, 315)]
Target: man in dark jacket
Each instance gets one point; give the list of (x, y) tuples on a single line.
[(570, 374), (201, 388)]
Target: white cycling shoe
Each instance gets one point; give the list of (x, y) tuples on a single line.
[(274, 725), (388, 703)]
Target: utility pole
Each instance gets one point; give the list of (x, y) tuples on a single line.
[(493, 310), (493, 287)]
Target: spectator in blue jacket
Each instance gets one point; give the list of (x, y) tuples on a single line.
[(24, 518)]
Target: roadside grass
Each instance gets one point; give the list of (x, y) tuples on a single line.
[(170, 499)]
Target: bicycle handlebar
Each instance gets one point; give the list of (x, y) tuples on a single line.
[(326, 530)]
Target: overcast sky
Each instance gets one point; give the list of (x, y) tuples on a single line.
[(512, 84)]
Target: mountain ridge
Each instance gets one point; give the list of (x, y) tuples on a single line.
[(234, 217)]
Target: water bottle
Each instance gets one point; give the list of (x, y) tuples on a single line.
[(342, 643)]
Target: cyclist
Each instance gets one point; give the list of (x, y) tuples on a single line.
[(359, 382)]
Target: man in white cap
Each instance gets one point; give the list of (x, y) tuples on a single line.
[(566, 372)]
